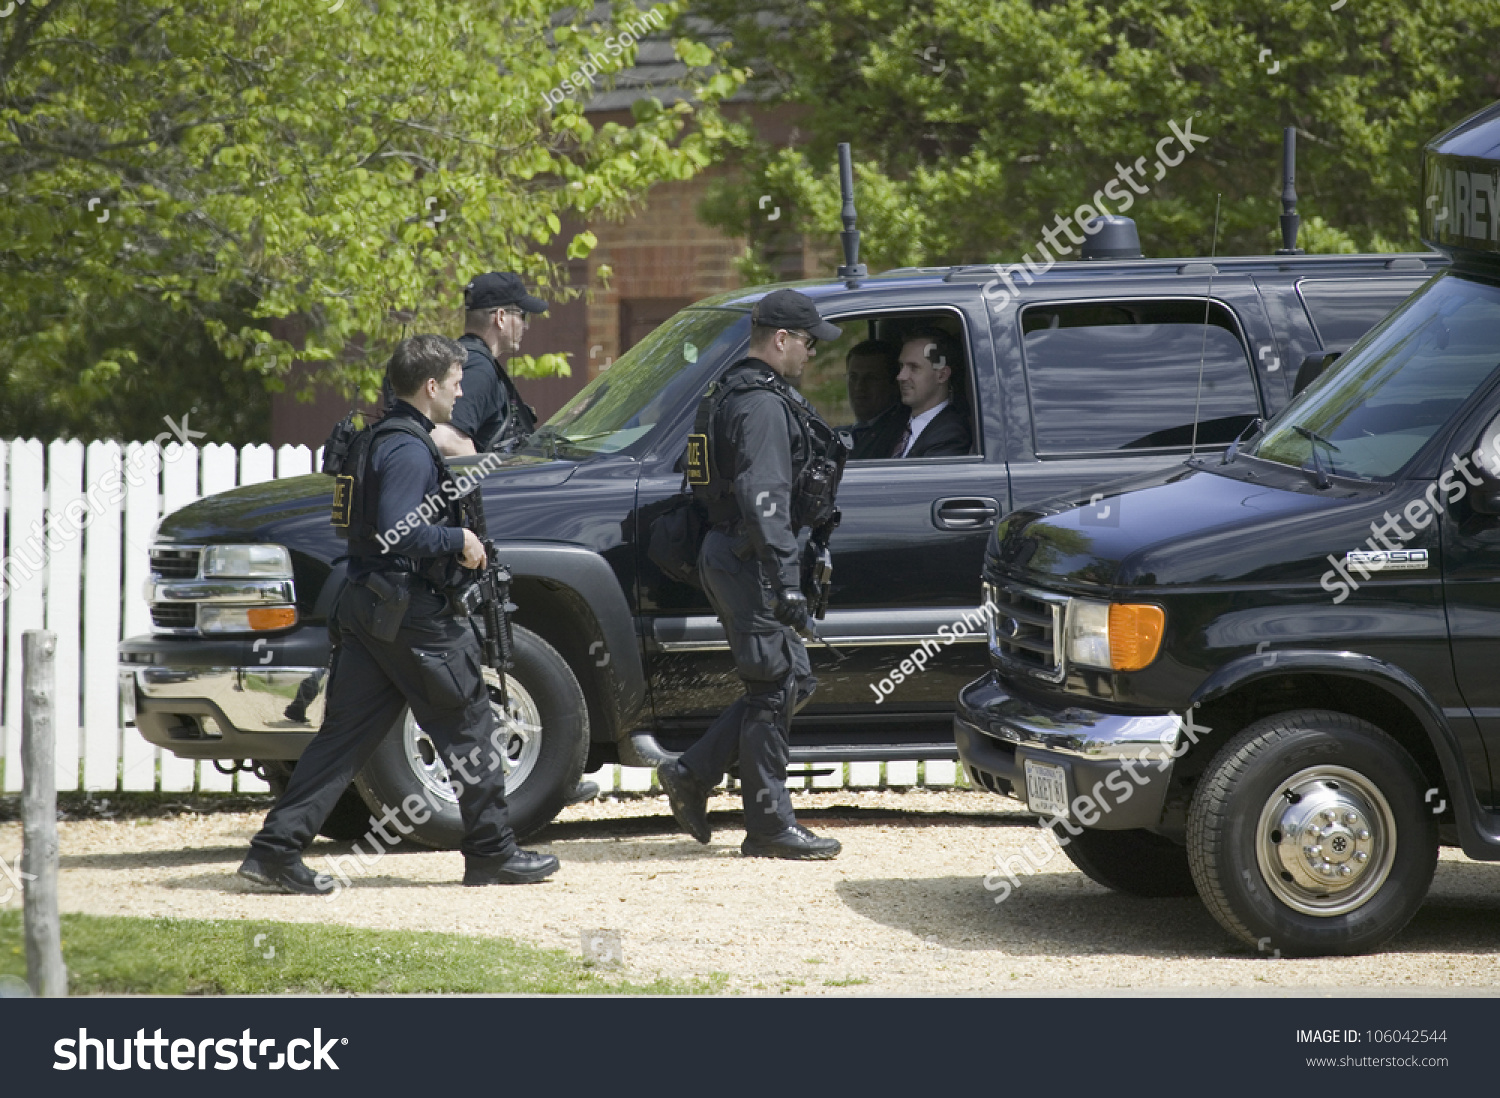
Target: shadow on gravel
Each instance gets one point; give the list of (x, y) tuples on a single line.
[(1066, 913), (1051, 913)]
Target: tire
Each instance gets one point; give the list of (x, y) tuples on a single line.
[(1347, 886), (350, 818), (546, 752), (1139, 863)]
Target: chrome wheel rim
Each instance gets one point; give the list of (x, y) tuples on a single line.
[(1326, 841), (518, 736)]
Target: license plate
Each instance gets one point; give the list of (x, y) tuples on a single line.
[(1046, 789)]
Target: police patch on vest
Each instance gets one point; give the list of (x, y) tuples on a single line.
[(697, 459), (343, 501)]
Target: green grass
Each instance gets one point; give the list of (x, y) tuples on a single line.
[(115, 954)]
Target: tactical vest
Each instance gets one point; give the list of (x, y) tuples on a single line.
[(818, 454), (347, 456), (517, 421)]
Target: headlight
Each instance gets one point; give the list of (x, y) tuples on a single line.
[(1113, 636), (245, 619), (247, 562)]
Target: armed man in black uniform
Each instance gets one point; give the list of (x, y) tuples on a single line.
[(755, 442), (490, 416), (397, 641)]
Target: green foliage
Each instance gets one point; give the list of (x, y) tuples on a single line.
[(225, 163), (117, 955), (975, 122)]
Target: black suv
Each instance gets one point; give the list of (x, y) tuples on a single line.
[(1098, 369), (1271, 675)]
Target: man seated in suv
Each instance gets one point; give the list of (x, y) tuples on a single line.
[(939, 423), (874, 398)]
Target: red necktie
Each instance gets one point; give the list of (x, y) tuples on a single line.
[(902, 442)]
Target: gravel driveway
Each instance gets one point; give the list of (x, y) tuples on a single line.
[(902, 911)]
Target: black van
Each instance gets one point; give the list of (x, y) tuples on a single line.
[(1273, 675)]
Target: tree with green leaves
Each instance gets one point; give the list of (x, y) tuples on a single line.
[(218, 166), (975, 122)]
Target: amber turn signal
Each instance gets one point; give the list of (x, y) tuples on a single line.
[(1135, 632), (279, 617)]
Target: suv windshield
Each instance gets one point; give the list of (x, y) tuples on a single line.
[(624, 403), (1371, 413)]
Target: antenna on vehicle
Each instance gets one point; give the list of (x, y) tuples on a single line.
[(852, 270), (1208, 304), (1289, 219)]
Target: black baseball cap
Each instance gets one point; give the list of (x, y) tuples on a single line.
[(497, 288), (789, 309)]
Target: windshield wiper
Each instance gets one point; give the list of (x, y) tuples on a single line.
[(551, 439), (1254, 427), (1315, 438)]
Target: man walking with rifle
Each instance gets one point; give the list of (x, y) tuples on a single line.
[(402, 635), (765, 465)]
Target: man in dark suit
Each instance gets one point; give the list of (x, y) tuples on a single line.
[(870, 372), (939, 423)]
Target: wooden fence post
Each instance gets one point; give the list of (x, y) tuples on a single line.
[(44, 963)]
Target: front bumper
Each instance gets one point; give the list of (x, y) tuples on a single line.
[(1117, 768), (202, 698)]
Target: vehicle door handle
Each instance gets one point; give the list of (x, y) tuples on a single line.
[(964, 512)]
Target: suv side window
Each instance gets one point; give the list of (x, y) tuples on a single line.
[(1343, 309), (1124, 375), (830, 379)]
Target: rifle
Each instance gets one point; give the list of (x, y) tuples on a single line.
[(817, 578), (489, 596), (817, 567)]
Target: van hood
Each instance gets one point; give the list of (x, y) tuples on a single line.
[(1200, 523)]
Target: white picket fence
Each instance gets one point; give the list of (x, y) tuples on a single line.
[(74, 556)]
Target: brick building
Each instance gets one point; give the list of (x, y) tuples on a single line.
[(662, 259)]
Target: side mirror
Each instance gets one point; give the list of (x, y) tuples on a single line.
[(1312, 368), (1485, 461)]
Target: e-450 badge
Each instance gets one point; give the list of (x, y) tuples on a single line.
[(1386, 560)]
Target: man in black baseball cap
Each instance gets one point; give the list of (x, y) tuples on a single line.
[(491, 414), (759, 438)]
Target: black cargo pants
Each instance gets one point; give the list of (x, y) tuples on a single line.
[(771, 661), (433, 665)]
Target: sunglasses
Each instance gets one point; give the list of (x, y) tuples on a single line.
[(809, 340)]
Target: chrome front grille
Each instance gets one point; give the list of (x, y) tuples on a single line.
[(1026, 629), (174, 615), (175, 563)]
